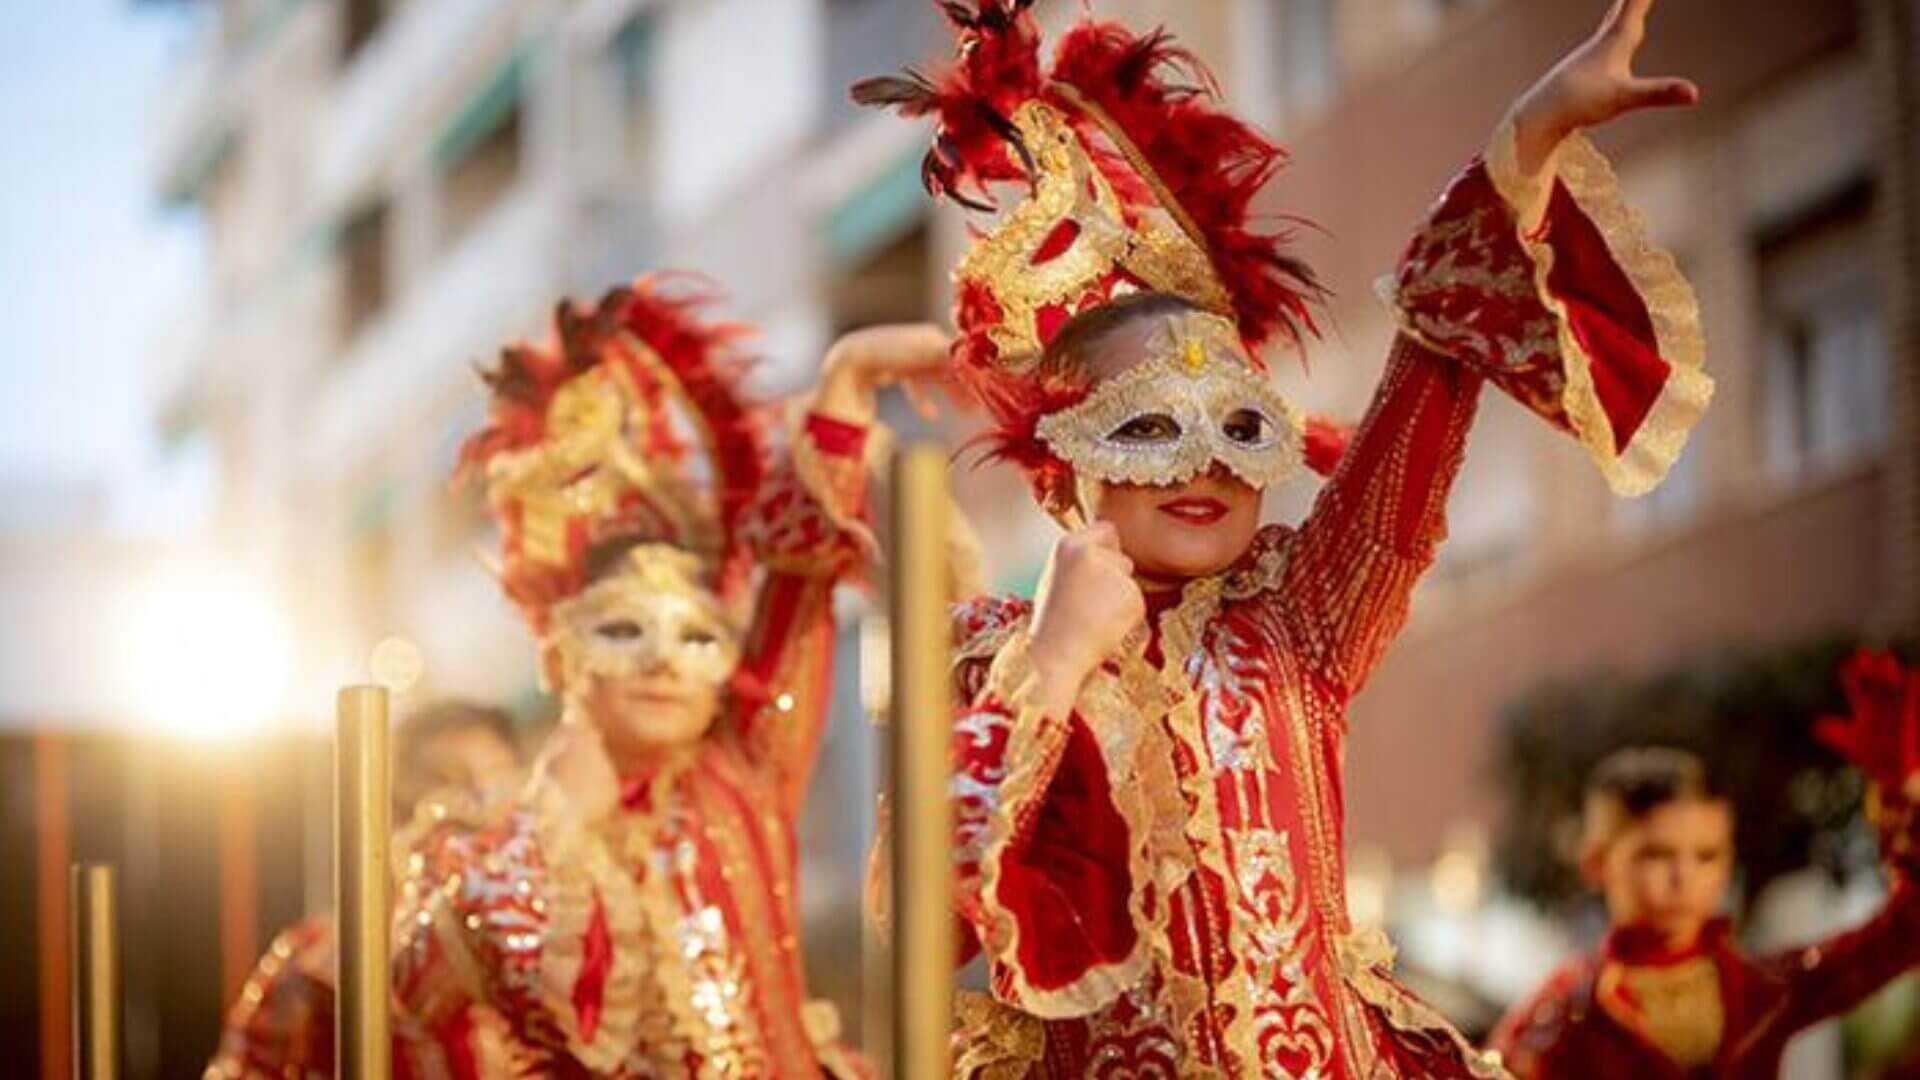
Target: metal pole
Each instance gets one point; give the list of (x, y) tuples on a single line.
[(924, 947), (94, 948), (362, 1047)]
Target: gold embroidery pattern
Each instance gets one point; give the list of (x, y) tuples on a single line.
[(1366, 961), (994, 1042), (1070, 192), (1670, 301), (1678, 1008), (1272, 925), (1292, 1030)]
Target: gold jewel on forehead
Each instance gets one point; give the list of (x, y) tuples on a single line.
[(659, 588), (1197, 374)]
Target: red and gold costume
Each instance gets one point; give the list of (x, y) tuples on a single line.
[(281, 1026), (1634, 1008), (1157, 879), (663, 942)]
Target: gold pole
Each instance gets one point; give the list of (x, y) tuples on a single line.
[(362, 1043), (94, 947), (924, 948)]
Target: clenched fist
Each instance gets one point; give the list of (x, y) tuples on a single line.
[(1087, 604)]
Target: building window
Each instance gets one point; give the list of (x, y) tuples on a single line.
[(359, 20), (365, 282), (481, 176), (1824, 379), (633, 56), (1306, 55)]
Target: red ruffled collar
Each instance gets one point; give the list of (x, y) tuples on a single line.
[(1643, 947)]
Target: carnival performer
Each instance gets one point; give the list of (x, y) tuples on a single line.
[(447, 754), (1669, 993), (1149, 756), (634, 914)]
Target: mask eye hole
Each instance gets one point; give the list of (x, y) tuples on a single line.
[(1247, 427), (622, 630), (1151, 428)]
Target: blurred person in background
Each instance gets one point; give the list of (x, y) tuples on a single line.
[(633, 913), (1149, 796), (1668, 992), (445, 754)]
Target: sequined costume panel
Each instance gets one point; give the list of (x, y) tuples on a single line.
[(664, 942)]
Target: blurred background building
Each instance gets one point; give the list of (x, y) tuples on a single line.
[(390, 189)]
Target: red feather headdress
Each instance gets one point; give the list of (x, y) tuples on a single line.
[(628, 425), (1134, 178)]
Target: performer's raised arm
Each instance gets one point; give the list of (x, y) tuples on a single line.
[(810, 529), (1529, 273)]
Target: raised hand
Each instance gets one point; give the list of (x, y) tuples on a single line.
[(1086, 605), (912, 356), (1881, 734), (1593, 84)]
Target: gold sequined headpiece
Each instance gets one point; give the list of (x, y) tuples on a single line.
[(1125, 176), (626, 426)]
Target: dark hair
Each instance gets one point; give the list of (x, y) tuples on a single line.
[(606, 556), (1641, 779), (1077, 337)]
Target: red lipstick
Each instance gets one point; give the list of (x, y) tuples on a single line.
[(1194, 509)]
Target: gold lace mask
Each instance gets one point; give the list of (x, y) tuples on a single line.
[(1195, 400), (654, 613)]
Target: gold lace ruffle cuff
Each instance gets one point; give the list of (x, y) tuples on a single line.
[(1655, 276)]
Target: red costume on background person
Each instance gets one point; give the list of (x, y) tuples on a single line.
[(1157, 879), (1588, 1021), (661, 941), (449, 754)]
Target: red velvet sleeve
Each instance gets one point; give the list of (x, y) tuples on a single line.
[(1044, 877), (1375, 526), (1550, 286), (1046, 882), (1833, 976)]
